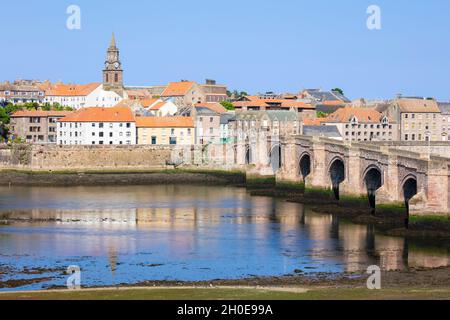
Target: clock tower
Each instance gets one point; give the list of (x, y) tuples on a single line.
[(113, 73)]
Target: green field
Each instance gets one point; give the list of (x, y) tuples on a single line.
[(232, 294)]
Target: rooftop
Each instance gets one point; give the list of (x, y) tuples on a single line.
[(176, 89), (71, 89), (363, 115), (40, 113), (115, 114), (417, 105), (164, 122)]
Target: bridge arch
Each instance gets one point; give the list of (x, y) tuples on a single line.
[(409, 189), (248, 155), (305, 165), (373, 180), (275, 157), (337, 175)]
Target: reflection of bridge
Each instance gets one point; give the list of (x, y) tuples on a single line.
[(385, 174)]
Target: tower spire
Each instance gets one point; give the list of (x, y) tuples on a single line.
[(113, 40)]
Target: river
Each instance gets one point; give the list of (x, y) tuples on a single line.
[(130, 234)]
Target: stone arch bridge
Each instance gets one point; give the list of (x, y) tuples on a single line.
[(382, 173)]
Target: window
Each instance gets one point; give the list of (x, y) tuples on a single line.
[(173, 140), (110, 134), (100, 125), (93, 125), (128, 125), (153, 140), (101, 134), (172, 131)]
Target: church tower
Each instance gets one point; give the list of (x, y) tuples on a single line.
[(113, 73)]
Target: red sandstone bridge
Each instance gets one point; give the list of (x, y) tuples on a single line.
[(388, 173)]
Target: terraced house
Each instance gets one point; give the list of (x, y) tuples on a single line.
[(81, 96), (21, 91), (419, 119), (36, 126), (165, 130), (362, 124), (98, 126)]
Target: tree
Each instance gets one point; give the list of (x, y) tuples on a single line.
[(4, 121), (321, 114), (227, 105), (339, 90)]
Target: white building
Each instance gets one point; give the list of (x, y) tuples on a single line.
[(98, 126), (163, 108), (82, 96)]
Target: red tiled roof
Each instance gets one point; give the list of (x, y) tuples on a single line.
[(158, 105), (71, 90), (115, 114), (176, 89), (148, 102), (216, 107), (164, 122), (364, 115)]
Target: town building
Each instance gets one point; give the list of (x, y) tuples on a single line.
[(362, 124), (21, 91), (304, 109), (419, 119), (165, 130), (444, 107), (184, 93), (226, 130), (214, 92), (270, 123), (207, 126), (81, 96), (98, 126), (36, 126), (162, 108)]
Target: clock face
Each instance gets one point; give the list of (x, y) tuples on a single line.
[(106, 65), (116, 65)]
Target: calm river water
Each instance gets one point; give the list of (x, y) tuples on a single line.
[(125, 235)]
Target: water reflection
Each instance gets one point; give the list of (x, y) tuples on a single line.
[(132, 234)]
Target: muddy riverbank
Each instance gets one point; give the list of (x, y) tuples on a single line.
[(110, 177), (415, 277)]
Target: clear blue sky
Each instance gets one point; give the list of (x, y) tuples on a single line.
[(282, 45)]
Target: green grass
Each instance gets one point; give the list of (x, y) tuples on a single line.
[(233, 294), (443, 218), (290, 186)]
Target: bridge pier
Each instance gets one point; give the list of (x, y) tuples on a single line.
[(435, 196)]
